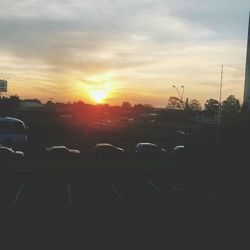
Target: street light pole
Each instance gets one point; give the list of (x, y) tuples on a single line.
[(180, 94), (183, 104)]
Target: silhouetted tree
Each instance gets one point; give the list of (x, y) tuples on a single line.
[(139, 107), (175, 103), (142, 108), (230, 108), (231, 104), (148, 106), (195, 105), (49, 103), (126, 105), (33, 100), (14, 102), (127, 108), (211, 106), (14, 99)]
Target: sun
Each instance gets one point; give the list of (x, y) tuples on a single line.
[(99, 95)]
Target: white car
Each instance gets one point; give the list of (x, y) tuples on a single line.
[(179, 148), (62, 152), (12, 131), (106, 150), (181, 133), (146, 149), (10, 154)]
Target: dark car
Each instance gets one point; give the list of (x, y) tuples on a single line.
[(179, 148), (62, 152), (106, 150), (145, 149), (178, 151), (181, 133), (10, 154)]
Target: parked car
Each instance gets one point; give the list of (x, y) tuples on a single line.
[(106, 150), (178, 151), (181, 133), (12, 131), (179, 148), (10, 154), (62, 152), (179, 155), (145, 149)]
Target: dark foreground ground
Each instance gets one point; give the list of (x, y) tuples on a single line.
[(119, 210), (198, 200), (106, 212)]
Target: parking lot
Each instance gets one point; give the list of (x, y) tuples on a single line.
[(126, 203), (84, 191), (97, 210)]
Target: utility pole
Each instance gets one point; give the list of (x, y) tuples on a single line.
[(246, 100), (221, 81)]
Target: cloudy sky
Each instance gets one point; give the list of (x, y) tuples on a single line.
[(133, 50)]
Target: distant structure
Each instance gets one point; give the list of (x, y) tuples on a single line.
[(3, 86), (247, 77), (30, 106)]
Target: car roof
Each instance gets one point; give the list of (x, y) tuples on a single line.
[(179, 147), (56, 147), (146, 144), (103, 145), (10, 119)]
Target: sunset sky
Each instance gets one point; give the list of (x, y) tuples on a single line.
[(132, 50)]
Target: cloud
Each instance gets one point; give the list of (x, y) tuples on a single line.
[(48, 46)]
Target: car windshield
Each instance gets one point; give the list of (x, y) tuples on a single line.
[(6, 150), (105, 147), (20, 128), (153, 148), (5, 126)]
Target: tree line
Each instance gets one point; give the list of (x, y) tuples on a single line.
[(210, 105), (231, 104), (230, 107)]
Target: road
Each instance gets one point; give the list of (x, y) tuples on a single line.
[(102, 212)]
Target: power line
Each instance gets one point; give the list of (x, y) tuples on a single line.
[(115, 27)]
